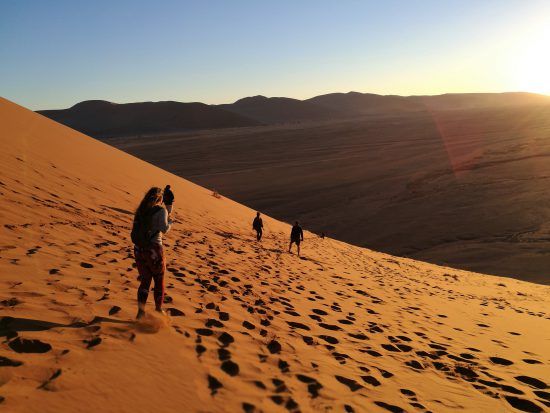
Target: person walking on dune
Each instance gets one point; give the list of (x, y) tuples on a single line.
[(296, 236), (258, 226), (168, 198), (151, 221)]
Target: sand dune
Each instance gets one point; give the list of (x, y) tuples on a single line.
[(252, 328)]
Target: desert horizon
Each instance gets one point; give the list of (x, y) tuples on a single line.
[(315, 95), (370, 234)]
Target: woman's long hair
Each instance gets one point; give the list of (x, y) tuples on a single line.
[(152, 197)]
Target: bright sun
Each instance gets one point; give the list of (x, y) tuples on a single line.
[(533, 65)]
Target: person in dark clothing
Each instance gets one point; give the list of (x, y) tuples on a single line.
[(168, 198), (258, 225), (296, 236)]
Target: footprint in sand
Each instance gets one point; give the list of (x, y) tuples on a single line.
[(532, 361), (390, 407), (22, 345), (11, 302), (331, 327), (95, 341), (510, 389), (248, 325), (248, 407), (225, 338), (212, 322), (329, 339), (523, 404), (501, 361), (390, 347), (371, 380), (259, 384), (313, 386), (308, 340), (230, 367), (415, 365), (214, 384), (283, 366), (6, 362), (224, 354), (174, 312), (297, 325), (199, 349), (204, 331), (531, 381), (373, 353), (114, 309), (358, 336), (352, 384), (408, 393)]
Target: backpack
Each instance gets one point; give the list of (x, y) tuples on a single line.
[(141, 229)]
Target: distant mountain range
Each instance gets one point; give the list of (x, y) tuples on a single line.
[(100, 119)]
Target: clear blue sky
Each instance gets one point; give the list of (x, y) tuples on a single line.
[(56, 53)]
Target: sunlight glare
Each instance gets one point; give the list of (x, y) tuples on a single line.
[(533, 65)]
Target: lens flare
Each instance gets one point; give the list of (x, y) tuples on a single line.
[(533, 66)]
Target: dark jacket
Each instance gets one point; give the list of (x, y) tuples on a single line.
[(297, 233), (168, 197), (257, 224)]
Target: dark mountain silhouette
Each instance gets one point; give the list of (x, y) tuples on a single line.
[(281, 110), (99, 118), (355, 103), (368, 103)]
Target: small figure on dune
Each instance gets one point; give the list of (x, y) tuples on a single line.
[(151, 221), (258, 225), (296, 236), (168, 198)]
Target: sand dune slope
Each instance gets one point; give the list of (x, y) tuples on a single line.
[(252, 328)]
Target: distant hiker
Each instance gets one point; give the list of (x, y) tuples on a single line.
[(168, 198), (258, 225), (150, 222), (296, 236)]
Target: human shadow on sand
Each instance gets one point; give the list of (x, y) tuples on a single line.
[(11, 325), (122, 211)]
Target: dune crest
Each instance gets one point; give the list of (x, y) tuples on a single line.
[(251, 327)]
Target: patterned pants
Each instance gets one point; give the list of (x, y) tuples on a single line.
[(151, 265)]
